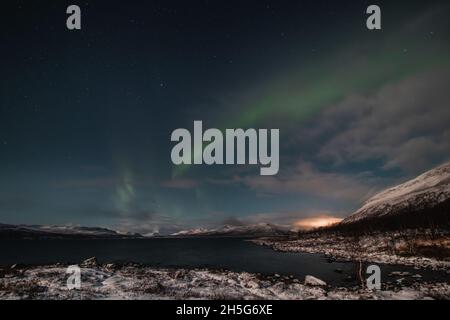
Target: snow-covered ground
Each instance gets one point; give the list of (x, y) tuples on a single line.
[(138, 282), (398, 248)]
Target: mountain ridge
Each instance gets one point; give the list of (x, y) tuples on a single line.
[(51, 232), (421, 195), (254, 230)]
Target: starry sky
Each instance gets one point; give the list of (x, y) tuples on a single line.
[(86, 116)]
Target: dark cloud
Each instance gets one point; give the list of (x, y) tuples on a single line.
[(305, 179), (405, 125), (233, 221)]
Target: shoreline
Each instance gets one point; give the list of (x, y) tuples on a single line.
[(380, 248), (123, 282)]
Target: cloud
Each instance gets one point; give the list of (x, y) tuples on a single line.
[(233, 221), (307, 180), (404, 125)]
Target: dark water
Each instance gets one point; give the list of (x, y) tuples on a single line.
[(231, 254)]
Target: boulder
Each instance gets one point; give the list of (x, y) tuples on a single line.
[(91, 262), (314, 282)]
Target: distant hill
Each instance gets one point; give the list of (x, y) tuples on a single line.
[(8, 231), (250, 231)]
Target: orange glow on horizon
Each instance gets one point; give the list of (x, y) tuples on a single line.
[(316, 222)]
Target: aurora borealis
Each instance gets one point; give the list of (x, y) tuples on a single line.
[(86, 116)]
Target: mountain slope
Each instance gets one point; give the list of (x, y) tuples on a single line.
[(423, 197), (257, 230)]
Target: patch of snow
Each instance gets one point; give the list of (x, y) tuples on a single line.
[(314, 282)]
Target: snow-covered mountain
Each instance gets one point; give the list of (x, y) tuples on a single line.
[(418, 195), (38, 231), (255, 230)]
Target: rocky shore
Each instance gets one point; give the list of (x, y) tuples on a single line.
[(397, 248), (139, 282)]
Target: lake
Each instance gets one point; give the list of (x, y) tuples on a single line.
[(232, 254)]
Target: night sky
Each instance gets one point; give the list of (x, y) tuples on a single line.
[(86, 116)]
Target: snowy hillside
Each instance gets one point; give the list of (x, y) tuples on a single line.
[(257, 230), (424, 192)]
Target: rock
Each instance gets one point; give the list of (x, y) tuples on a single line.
[(91, 262), (17, 266), (110, 266), (179, 274), (417, 276), (314, 282)]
